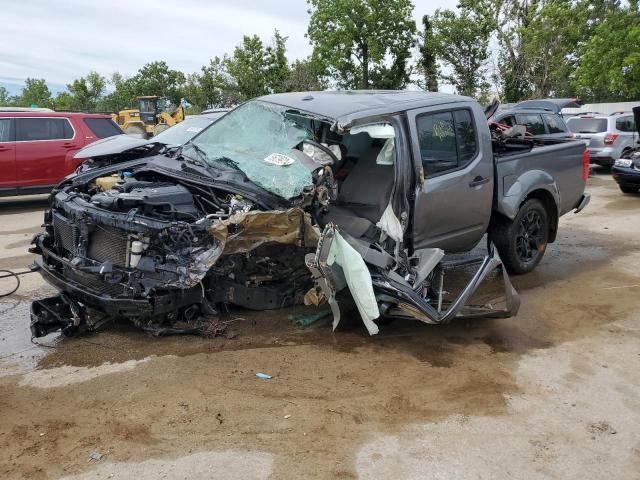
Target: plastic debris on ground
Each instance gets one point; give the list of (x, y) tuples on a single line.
[(306, 319)]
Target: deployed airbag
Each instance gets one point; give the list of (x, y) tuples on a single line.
[(358, 279)]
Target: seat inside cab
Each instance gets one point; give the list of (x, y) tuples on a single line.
[(366, 179)]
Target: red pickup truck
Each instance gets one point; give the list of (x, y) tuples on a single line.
[(37, 147)]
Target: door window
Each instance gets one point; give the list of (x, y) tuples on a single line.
[(447, 141), (508, 120), (555, 124), (32, 129), (5, 130), (533, 122)]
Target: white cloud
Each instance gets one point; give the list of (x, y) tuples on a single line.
[(62, 40)]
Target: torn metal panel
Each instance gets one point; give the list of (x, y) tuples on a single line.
[(410, 300), (245, 231)]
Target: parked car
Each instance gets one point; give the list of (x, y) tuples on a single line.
[(306, 197), (554, 105), (540, 123), (626, 170), (37, 148), (608, 137), (115, 149)]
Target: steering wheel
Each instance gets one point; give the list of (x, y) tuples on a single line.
[(326, 150)]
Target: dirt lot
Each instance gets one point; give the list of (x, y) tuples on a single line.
[(553, 393)]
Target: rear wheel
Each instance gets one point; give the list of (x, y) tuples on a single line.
[(626, 189), (161, 127), (136, 131), (522, 241)]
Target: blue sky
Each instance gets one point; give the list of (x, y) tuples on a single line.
[(64, 39)]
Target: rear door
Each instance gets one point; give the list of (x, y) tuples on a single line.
[(42, 145), (7, 154), (453, 207)]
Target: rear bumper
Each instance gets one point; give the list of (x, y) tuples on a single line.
[(602, 156), (584, 201)]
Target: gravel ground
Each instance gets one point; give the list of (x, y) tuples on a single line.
[(552, 393)]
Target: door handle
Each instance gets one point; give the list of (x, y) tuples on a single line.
[(478, 181)]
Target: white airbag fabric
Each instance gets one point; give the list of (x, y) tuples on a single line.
[(358, 280), (390, 224), (387, 154)]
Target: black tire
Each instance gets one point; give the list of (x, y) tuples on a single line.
[(136, 131), (521, 242), (161, 127), (628, 189)]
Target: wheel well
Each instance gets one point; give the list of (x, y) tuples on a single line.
[(550, 206)]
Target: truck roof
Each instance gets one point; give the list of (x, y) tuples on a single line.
[(346, 106)]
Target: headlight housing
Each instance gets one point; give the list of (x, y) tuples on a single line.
[(624, 162)]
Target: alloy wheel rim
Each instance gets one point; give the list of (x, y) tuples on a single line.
[(530, 237)]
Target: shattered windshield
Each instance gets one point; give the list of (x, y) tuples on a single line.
[(257, 138)]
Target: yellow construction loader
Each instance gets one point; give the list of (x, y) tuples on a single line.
[(148, 120)]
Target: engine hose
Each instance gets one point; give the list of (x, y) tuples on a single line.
[(15, 275)]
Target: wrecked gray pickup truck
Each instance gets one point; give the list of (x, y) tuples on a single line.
[(307, 197)]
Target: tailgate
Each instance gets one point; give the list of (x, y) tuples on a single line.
[(592, 140)]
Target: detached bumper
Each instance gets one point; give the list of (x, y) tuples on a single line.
[(160, 304)]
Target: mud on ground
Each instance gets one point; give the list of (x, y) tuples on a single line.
[(552, 393)]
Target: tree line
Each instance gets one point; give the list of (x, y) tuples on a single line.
[(518, 49)]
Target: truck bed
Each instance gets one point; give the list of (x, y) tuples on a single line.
[(554, 166)]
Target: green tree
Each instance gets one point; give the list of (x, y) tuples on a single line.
[(82, 94), (212, 87), (540, 41), (353, 38), (247, 67), (427, 62), (254, 70), (5, 99), (304, 76), (121, 97), (276, 67), (156, 78), (461, 42), (35, 92), (609, 69)]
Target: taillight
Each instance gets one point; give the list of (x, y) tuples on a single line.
[(610, 138), (586, 159)]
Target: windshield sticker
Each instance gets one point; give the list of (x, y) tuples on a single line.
[(194, 129), (279, 159)]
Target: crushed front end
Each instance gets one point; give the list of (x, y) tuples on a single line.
[(147, 248)]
